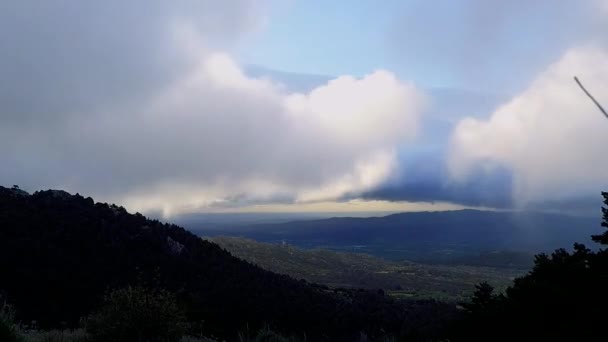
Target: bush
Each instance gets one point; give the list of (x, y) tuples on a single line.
[(9, 331), (266, 334), (77, 335), (137, 314)]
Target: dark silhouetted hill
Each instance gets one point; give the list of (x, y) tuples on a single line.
[(59, 254)]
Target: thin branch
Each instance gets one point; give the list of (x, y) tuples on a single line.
[(591, 97)]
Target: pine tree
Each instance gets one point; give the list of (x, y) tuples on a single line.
[(603, 238)]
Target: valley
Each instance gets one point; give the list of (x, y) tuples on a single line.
[(357, 270)]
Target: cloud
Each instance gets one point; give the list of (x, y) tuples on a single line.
[(500, 44), (426, 178), (243, 138), (420, 173), (158, 115), (155, 116), (551, 136), (602, 5), (68, 56)]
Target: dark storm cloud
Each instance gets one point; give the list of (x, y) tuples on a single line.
[(426, 179)]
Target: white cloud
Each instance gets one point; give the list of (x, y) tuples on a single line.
[(551, 136), (492, 45), (602, 5), (374, 103), (231, 137), (365, 175), (166, 122)]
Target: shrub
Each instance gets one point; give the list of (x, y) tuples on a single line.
[(267, 335), (137, 314), (9, 331), (77, 335)]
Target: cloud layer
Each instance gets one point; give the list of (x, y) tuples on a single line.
[(155, 116), (499, 44), (144, 103), (551, 137)]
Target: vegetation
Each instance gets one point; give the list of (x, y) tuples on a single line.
[(357, 270), (55, 335), (137, 314), (65, 258), (61, 254), (9, 331), (562, 298)]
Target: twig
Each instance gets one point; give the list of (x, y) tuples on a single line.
[(591, 97)]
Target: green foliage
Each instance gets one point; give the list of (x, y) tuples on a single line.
[(9, 331), (137, 314)]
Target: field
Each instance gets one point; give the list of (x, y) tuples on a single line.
[(356, 270)]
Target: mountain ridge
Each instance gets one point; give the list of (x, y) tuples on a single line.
[(426, 236), (61, 253)]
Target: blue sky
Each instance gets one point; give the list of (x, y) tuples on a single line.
[(457, 43), (316, 37)]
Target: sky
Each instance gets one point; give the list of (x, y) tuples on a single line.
[(241, 105)]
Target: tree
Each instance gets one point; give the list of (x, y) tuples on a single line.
[(563, 298), (483, 298), (603, 238)]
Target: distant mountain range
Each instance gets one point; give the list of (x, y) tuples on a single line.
[(427, 236)]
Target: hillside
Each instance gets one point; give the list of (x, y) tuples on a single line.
[(428, 236), (357, 270), (59, 254)]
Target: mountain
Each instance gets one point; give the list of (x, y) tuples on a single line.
[(442, 236), (357, 270), (60, 253)]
